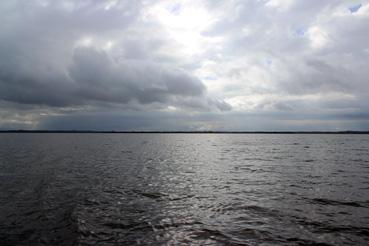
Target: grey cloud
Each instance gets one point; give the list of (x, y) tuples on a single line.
[(54, 60), (314, 76), (103, 79), (297, 68), (41, 62), (94, 76), (264, 121)]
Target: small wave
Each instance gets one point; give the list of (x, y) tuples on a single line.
[(299, 241), (152, 195), (206, 233), (252, 209), (121, 225), (177, 198), (331, 202), (322, 227)]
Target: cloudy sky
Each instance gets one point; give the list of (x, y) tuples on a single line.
[(184, 65)]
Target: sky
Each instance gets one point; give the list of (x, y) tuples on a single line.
[(167, 65)]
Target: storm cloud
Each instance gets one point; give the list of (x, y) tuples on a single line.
[(40, 69), (94, 76), (229, 65)]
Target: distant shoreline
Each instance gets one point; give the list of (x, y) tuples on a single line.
[(186, 132)]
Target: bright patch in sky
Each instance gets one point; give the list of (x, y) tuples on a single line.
[(184, 21)]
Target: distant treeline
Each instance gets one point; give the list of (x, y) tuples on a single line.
[(186, 132)]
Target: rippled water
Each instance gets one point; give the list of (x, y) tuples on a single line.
[(180, 189)]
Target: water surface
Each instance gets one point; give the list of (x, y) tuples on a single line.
[(180, 189)]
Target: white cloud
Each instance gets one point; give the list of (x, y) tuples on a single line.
[(318, 37), (282, 5)]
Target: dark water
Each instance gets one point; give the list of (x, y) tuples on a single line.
[(181, 189)]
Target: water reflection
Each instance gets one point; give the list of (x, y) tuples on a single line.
[(110, 189)]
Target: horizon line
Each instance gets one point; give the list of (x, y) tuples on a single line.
[(184, 132)]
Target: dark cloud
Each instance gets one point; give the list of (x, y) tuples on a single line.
[(94, 76), (265, 121), (102, 79), (46, 58)]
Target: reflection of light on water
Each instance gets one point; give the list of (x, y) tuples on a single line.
[(186, 188)]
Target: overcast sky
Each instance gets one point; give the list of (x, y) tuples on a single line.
[(184, 65)]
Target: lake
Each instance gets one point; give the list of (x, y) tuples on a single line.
[(184, 189)]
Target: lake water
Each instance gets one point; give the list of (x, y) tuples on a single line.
[(184, 189)]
